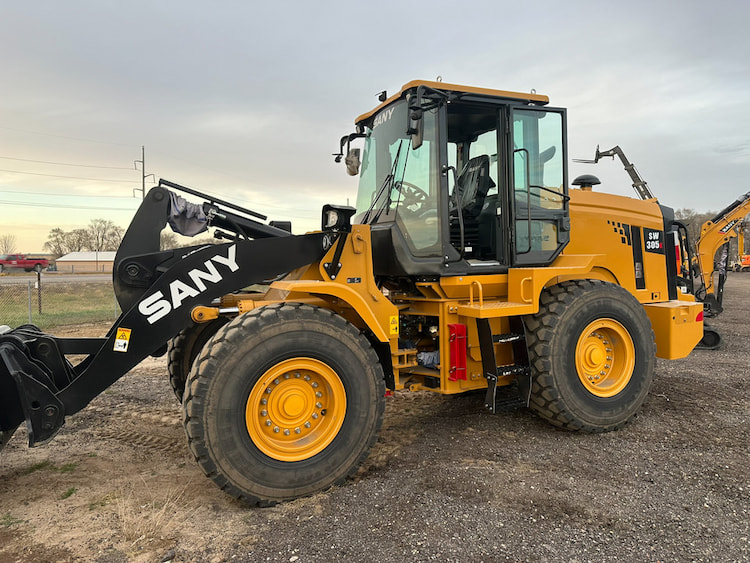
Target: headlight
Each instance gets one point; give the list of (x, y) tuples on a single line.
[(337, 217)]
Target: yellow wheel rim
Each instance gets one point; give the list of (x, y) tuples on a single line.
[(296, 409), (605, 357)]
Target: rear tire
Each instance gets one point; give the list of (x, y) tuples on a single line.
[(184, 348), (284, 402), (591, 350), (38, 268)]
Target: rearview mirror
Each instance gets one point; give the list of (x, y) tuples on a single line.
[(415, 126), (352, 162)]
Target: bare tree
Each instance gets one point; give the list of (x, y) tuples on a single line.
[(167, 241), (56, 243), (8, 244), (693, 221), (100, 235), (78, 240), (104, 235)]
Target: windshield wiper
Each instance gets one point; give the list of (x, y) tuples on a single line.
[(384, 188)]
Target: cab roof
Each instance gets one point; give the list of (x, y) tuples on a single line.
[(537, 99)]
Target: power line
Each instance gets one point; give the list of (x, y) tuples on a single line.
[(62, 205), (67, 177), (65, 163), (26, 192)]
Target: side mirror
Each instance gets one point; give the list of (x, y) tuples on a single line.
[(415, 125), (546, 155), (352, 162)]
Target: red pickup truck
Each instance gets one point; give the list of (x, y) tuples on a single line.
[(21, 261)]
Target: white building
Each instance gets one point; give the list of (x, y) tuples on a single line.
[(86, 262)]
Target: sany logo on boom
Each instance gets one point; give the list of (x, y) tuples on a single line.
[(157, 306)]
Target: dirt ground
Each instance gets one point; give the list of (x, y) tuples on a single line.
[(446, 481)]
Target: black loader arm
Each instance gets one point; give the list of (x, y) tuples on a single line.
[(157, 291)]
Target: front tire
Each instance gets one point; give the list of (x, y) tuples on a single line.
[(284, 401), (184, 348), (591, 349)]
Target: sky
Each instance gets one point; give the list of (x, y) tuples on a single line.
[(247, 100)]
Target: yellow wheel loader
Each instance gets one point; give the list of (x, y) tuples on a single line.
[(467, 264)]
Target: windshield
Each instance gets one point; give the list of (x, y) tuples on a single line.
[(399, 183)]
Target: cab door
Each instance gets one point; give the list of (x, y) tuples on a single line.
[(538, 184)]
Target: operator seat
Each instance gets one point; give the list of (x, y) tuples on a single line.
[(472, 185)]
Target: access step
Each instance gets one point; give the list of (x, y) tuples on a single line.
[(495, 309), (507, 338)]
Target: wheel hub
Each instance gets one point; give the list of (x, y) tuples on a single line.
[(605, 357), (296, 409)]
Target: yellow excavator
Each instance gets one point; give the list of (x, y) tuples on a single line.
[(742, 260), (708, 269)]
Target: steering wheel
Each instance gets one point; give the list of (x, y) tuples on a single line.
[(413, 197)]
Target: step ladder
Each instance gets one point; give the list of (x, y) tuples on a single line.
[(507, 397)]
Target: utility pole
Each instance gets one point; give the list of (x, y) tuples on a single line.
[(142, 189)]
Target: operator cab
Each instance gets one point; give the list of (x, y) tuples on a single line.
[(457, 180)]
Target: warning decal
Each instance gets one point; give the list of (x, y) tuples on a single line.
[(122, 340), (394, 325)]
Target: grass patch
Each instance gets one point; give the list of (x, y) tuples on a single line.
[(100, 502), (147, 514), (37, 467), (58, 304), (69, 493), (67, 467), (47, 465), (7, 520)]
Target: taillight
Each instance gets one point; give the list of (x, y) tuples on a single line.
[(699, 317)]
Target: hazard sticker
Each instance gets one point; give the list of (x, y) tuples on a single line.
[(394, 325), (122, 340)]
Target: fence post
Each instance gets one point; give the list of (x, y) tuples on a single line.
[(39, 290), (29, 286)]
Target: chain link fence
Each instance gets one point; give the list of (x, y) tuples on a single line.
[(49, 304)]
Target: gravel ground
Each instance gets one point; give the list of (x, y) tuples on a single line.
[(446, 481)]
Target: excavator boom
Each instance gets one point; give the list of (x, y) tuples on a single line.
[(716, 233)]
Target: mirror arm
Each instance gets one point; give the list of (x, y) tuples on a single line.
[(346, 140)]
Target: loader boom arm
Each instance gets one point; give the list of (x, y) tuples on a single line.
[(158, 291)]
